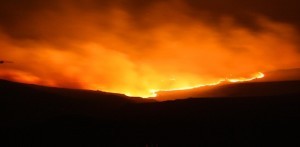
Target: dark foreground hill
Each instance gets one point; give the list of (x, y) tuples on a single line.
[(24, 102), (41, 116)]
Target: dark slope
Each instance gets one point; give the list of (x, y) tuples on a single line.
[(24, 102), (247, 89), (41, 116), (282, 75), (280, 82), (247, 120)]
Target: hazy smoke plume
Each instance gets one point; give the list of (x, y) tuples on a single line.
[(135, 47)]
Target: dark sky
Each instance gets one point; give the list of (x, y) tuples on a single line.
[(14, 13)]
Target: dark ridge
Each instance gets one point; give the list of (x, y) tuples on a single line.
[(41, 116), (26, 102), (282, 75), (245, 89), (66, 92), (280, 82)]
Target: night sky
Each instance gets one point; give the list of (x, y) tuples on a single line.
[(14, 13)]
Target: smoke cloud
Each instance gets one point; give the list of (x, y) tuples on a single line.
[(135, 47)]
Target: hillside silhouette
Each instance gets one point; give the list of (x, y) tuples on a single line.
[(280, 82), (35, 115)]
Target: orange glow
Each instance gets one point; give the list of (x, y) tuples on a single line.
[(258, 75), (114, 52)]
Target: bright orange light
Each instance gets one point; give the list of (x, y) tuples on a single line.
[(259, 75), (113, 51)]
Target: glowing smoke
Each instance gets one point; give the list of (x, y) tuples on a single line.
[(113, 50)]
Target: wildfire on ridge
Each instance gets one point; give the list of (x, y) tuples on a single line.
[(259, 75), (138, 54)]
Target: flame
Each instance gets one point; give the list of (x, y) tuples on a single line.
[(259, 75), (116, 50)]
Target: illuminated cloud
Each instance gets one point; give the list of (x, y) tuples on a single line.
[(135, 48)]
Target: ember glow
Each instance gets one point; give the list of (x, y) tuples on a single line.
[(258, 75), (115, 50)]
